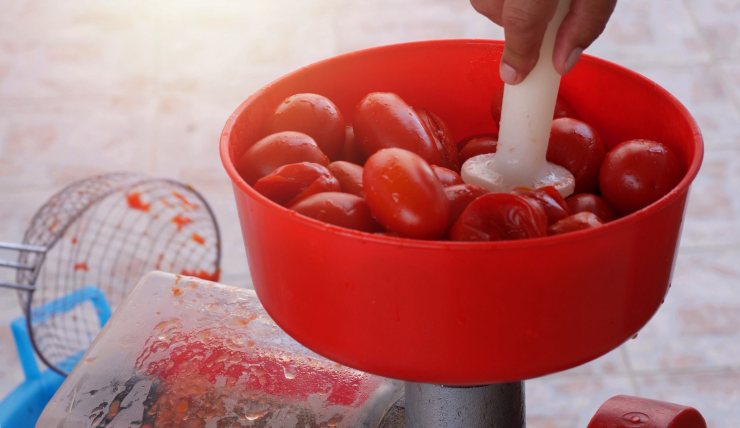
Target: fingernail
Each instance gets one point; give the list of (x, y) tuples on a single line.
[(572, 59), (508, 73)]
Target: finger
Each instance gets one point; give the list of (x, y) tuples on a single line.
[(524, 22), (489, 8), (583, 24)]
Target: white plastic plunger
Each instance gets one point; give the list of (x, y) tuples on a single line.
[(526, 118)]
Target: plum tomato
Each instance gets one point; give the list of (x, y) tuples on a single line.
[(290, 183), (341, 209), (589, 202), (351, 151), (276, 150), (478, 145), (349, 176), (549, 199), (577, 147), (441, 136), (636, 173), (460, 196), (577, 221), (314, 115), (404, 195), (383, 120), (499, 216), (447, 176)]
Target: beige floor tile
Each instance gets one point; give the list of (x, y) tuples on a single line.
[(714, 393), (651, 32), (49, 143), (561, 401), (718, 21), (696, 327), (713, 210)]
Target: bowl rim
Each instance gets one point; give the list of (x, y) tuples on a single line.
[(677, 192)]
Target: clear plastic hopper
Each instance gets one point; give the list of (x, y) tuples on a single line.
[(185, 352)]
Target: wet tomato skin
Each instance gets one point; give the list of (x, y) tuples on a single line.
[(340, 209), (290, 183), (276, 150), (577, 146), (314, 115), (383, 120), (459, 196), (636, 173), (549, 199), (349, 176), (588, 202), (499, 216), (442, 138), (578, 221), (478, 145), (404, 195), (447, 176)]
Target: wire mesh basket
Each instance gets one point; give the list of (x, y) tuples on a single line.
[(105, 232)]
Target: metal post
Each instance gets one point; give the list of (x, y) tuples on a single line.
[(488, 406)]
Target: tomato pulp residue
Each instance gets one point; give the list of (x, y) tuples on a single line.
[(74, 241), (202, 274), (181, 221), (53, 226), (81, 266), (185, 201), (198, 239), (158, 264), (176, 291), (135, 203), (189, 364)]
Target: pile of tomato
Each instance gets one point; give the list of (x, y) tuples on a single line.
[(395, 170)]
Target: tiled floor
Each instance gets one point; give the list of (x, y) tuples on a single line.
[(100, 85)]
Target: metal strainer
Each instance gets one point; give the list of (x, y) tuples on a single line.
[(88, 245)]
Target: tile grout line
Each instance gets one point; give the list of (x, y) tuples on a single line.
[(714, 58)]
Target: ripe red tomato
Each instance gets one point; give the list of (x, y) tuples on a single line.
[(290, 183), (637, 173), (578, 221), (460, 196), (341, 209), (442, 138), (351, 151), (582, 202), (276, 150), (447, 176), (576, 146), (404, 194), (499, 216), (349, 176), (549, 199), (478, 145), (383, 120), (314, 115)]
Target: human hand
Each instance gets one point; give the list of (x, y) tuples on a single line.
[(525, 21)]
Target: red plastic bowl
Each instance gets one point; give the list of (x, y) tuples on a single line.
[(453, 312)]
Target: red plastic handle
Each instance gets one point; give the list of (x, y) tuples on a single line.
[(624, 411)]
